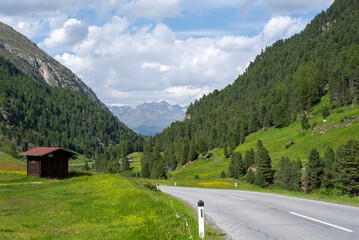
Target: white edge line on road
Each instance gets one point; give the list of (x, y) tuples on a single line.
[(236, 198), (316, 220)]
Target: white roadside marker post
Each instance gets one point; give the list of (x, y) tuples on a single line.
[(175, 183), (235, 184), (201, 218)]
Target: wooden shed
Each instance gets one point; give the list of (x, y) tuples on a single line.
[(47, 162)]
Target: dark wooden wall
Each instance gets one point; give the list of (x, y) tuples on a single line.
[(56, 166)]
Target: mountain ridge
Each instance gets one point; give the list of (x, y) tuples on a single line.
[(37, 64), (149, 118)]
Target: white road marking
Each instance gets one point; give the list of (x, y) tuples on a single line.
[(236, 198), (316, 220)]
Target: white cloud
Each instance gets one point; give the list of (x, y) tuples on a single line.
[(72, 32), (156, 65), (282, 26), (150, 63)]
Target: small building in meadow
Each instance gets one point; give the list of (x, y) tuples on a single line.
[(49, 162)]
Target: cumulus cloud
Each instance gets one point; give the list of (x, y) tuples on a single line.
[(72, 32), (150, 63), (282, 26)]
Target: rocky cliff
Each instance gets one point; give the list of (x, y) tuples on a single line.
[(38, 64)]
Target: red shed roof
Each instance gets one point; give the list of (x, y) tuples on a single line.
[(41, 151)]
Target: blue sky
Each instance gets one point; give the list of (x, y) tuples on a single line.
[(135, 51)]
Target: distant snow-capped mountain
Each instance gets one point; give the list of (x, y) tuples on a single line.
[(149, 118)]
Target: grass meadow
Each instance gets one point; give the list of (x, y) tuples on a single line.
[(90, 207)]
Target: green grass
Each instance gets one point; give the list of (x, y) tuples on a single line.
[(136, 161), (204, 168), (304, 141), (8, 162), (92, 207)]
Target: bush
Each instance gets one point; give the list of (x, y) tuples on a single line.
[(223, 174), (151, 186), (196, 177), (86, 167), (314, 124)]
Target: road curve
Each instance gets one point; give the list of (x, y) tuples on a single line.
[(252, 215)]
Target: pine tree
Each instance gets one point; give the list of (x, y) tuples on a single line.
[(250, 177), (329, 157), (202, 146), (145, 170), (304, 122), (125, 166), (265, 165), (315, 170), (223, 174), (249, 159), (158, 168), (225, 151), (184, 152), (236, 166), (146, 164), (192, 152), (297, 173), (348, 170), (325, 112), (284, 176)]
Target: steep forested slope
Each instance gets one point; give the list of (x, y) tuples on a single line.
[(284, 81), (37, 64), (34, 114)]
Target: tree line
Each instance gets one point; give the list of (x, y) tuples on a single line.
[(335, 172)]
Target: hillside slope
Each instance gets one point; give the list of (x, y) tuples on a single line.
[(282, 83), (35, 114), (291, 141), (38, 64)]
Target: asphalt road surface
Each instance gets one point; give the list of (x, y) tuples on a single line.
[(251, 215)]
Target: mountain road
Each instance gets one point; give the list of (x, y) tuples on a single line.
[(252, 215)]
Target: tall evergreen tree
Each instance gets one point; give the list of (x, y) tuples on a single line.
[(192, 152), (329, 158), (304, 122), (146, 162), (284, 176), (125, 165), (315, 170), (249, 159), (158, 168), (184, 152), (265, 165), (348, 171), (236, 166), (225, 151)]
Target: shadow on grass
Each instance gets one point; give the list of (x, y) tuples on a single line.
[(73, 174)]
